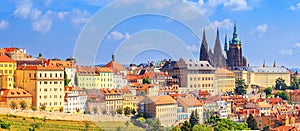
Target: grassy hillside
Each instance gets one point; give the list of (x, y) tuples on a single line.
[(23, 124)]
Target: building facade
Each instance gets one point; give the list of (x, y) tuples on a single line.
[(44, 83), (7, 69)]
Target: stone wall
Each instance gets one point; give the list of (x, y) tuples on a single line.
[(62, 116)]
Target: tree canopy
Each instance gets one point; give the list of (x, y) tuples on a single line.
[(252, 123), (241, 87)]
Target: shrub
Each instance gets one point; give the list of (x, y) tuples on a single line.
[(4, 124)]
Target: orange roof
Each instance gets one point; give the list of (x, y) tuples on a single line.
[(8, 50), (87, 70), (16, 92), (103, 69), (39, 67), (5, 58), (224, 72), (65, 64), (191, 101), (263, 104), (285, 128), (115, 66), (110, 91), (162, 100)]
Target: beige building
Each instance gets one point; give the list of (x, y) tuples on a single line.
[(8, 96), (45, 83), (201, 76), (113, 99), (88, 77), (7, 69), (264, 76), (264, 108), (225, 81), (190, 104), (163, 108)]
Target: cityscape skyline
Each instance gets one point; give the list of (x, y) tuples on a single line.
[(54, 24)]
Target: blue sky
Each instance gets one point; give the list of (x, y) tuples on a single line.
[(269, 29)]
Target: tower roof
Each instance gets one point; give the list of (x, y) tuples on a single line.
[(235, 39)]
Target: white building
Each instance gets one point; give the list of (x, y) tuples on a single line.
[(190, 104), (75, 100)]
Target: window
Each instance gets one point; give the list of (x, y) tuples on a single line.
[(51, 75), (29, 74), (40, 74), (45, 74)]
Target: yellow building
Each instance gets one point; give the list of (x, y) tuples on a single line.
[(129, 100), (225, 81), (9, 96), (7, 69), (113, 99), (163, 108), (88, 77), (264, 76), (106, 77), (45, 83)]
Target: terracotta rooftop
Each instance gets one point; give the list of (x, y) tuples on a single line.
[(5, 58), (65, 64), (16, 92), (162, 100), (190, 101), (263, 104), (39, 67)]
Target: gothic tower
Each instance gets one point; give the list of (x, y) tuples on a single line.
[(204, 49), (218, 57), (234, 54)]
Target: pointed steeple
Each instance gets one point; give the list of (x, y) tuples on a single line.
[(225, 44), (235, 39), (113, 57), (204, 49), (264, 64), (274, 65)]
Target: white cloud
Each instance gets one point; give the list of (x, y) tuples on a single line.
[(25, 10), (61, 15), (192, 48), (237, 5), (47, 2), (297, 45), (224, 24), (286, 52), (116, 36), (43, 25), (80, 17), (260, 30), (3, 24), (296, 7)]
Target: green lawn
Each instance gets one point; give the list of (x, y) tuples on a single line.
[(19, 124)]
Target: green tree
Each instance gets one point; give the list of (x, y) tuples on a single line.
[(252, 123), (43, 107), (198, 127), (146, 81), (34, 126), (61, 109), (127, 124), (23, 105), (76, 79), (112, 112), (268, 90), (95, 110), (120, 111), (266, 128), (33, 108), (186, 126), (140, 121), (104, 112), (13, 105), (212, 120), (241, 87), (280, 84), (86, 125), (175, 129), (284, 96), (227, 124), (127, 111), (295, 83), (133, 112), (66, 80), (193, 119)]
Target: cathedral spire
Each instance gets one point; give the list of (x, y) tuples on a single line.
[(226, 44), (264, 64), (274, 65), (218, 59), (204, 49), (235, 39)]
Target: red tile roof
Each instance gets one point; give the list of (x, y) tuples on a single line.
[(39, 67), (5, 58)]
